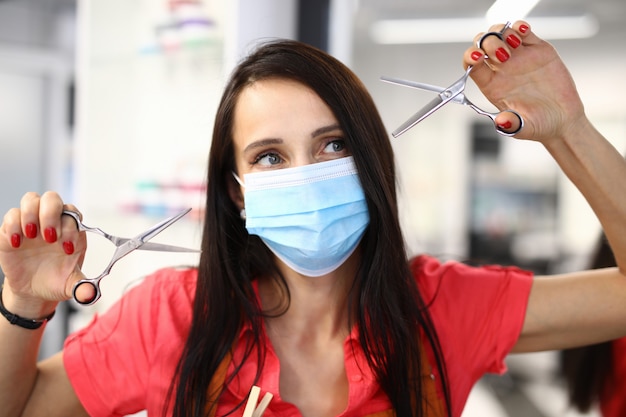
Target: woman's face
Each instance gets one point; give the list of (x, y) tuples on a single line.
[(281, 124)]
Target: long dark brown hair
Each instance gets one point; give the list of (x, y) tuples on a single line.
[(586, 369), (389, 309)]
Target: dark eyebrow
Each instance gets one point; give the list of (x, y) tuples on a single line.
[(325, 129), (277, 141), (263, 142)]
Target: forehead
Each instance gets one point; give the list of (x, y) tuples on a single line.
[(271, 106), (279, 91)]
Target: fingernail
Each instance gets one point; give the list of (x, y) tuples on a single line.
[(16, 240), (513, 41), (476, 55), (506, 125), (68, 247), (502, 55), (31, 230), (50, 234), (523, 28)]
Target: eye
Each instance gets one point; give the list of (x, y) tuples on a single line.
[(268, 159), (335, 146)]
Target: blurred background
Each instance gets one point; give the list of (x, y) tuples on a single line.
[(111, 103)]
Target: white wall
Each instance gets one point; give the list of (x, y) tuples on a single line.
[(36, 70)]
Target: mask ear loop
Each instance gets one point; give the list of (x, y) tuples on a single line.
[(239, 181), (242, 213)]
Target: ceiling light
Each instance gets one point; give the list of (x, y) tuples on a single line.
[(503, 10), (424, 31)]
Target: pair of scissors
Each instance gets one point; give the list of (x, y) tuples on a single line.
[(452, 93), (124, 246)]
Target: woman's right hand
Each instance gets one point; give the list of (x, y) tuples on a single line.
[(41, 253)]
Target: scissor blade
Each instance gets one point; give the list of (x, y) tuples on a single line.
[(159, 247), (459, 99), (141, 239), (425, 111), (413, 84), (144, 237)]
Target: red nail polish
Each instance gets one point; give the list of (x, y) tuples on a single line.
[(16, 240), (31, 230), (513, 41), (523, 28), (476, 55), (502, 55), (506, 125), (50, 234), (68, 247)]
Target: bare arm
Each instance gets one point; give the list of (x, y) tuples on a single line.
[(574, 310), (585, 307), (28, 388), (39, 273), (590, 306)]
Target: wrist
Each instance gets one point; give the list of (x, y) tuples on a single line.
[(25, 313)]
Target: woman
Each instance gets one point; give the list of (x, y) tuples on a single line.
[(305, 291)]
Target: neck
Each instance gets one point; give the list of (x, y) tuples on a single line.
[(318, 305)]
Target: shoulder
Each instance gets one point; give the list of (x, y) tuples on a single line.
[(159, 301), (179, 281), (140, 338), (478, 313), (171, 292), (434, 277)]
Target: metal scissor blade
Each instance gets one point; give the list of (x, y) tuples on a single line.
[(144, 237), (413, 84), (141, 239), (424, 112), (459, 98), (160, 247)]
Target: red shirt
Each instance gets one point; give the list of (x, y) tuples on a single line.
[(124, 360)]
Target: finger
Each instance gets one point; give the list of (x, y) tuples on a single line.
[(498, 31), (12, 228), (84, 293), (512, 39), (524, 31), (481, 71), (69, 235), (50, 209), (29, 215), (72, 239), (73, 208), (495, 49), (509, 123)]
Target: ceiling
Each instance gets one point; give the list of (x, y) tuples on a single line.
[(598, 64), (610, 14)]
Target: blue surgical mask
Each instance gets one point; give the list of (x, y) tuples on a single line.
[(312, 217)]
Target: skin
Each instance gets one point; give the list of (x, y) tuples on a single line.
[(280, 124)]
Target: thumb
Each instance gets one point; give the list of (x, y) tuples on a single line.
[(80, 287)]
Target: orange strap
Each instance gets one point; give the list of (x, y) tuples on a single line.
[(216, 384)]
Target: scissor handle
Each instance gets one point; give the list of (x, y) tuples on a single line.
[(504, 132), (95, 284), (498, 34), (493, 116)]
